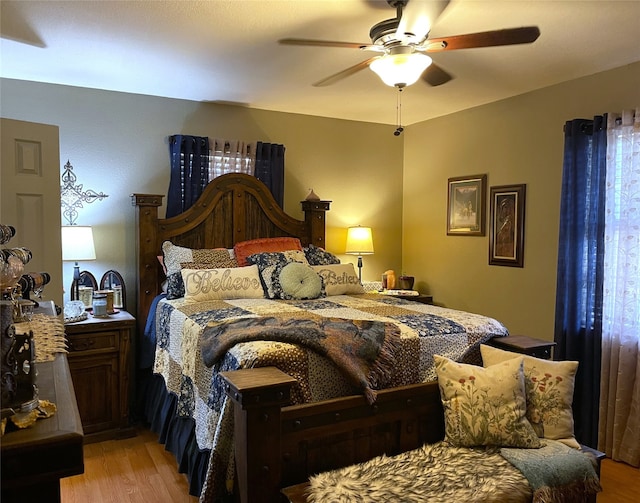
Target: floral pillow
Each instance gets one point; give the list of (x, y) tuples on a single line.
[(319, 256), (267, 263), (175, 256), (549, 387), (484, 406)]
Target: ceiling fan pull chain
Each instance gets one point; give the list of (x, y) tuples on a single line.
[(399, 128)]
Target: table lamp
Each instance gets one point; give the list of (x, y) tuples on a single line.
[(359, 242), (77, 245)]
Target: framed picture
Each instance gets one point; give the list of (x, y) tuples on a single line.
[(467, 206), (506, 225)]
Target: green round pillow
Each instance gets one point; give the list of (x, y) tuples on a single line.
[(299, 281)]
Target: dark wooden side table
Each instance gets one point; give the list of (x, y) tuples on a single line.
[(525, 345), (34, 459), (422, 298), (100, 363)]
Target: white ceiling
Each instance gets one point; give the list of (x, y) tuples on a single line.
[(227, 51)]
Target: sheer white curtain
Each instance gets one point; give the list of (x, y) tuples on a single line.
[(619, 424), (231, 156)]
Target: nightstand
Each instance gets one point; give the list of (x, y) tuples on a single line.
[(422, 298), (525, 345), (100, 364)]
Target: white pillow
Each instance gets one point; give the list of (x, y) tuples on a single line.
[(339, 279), (202, 285)]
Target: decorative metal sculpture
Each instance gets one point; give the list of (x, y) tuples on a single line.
[(72, 196), (19, 391)]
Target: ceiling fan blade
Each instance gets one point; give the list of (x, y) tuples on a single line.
[(344, 73), (319, 43), (434, 75), (13, 26), (510, 36), (419, 16)]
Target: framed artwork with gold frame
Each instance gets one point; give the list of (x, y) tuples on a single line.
[(467, 205)]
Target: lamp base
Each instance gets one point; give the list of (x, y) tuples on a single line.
[(75, 294)]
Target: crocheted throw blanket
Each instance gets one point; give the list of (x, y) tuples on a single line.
[(362, 349), (556, 472), (48, 336)]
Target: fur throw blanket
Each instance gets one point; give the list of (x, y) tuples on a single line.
[(363, 350), (435, 473), (439, 472)]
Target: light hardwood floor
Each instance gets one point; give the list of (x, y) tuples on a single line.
[(620, 483), (139, 470), (132, 470)]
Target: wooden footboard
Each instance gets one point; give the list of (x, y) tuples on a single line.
[(278, 445)]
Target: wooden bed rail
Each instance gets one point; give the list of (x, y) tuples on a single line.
[(279, 445)]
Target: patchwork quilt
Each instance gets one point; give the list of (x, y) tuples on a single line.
[(423, 329)]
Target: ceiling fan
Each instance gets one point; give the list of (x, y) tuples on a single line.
[(402, 44)]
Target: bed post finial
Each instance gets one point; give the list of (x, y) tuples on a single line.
[(314, 218), (147, 247), (258, 395)]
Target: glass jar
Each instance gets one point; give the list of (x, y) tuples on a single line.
[(100, 304)]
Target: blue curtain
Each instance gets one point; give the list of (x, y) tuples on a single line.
[(189, 156), (578, 326), (269, 168)]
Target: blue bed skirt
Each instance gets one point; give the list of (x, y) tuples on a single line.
[(158, 409)]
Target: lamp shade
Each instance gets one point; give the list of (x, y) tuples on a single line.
[(401, 69), (77, 243), (359, 241)]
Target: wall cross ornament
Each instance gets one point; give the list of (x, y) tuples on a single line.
[(72, 196)]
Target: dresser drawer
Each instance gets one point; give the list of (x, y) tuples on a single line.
[(94, 342)]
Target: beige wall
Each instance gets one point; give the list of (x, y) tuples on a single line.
[(518, 140), (117, 144)]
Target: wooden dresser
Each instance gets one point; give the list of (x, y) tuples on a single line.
[(34, 459), (100, 362)]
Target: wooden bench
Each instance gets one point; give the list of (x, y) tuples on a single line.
[(278, 446)]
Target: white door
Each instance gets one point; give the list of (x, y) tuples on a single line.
[(30, 190)]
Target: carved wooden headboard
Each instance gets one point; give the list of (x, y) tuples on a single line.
[(232, 208)]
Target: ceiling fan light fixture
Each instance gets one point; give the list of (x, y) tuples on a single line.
[(400, 70)]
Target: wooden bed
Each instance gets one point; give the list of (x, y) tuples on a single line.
[(235, 207), (278, 445)]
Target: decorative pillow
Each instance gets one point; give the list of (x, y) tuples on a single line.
[(267, 263), (339, 279), (215, 284), (484, 406), (320, 256), (175, 255), (549, 387), (295, 280), (244, 249)]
